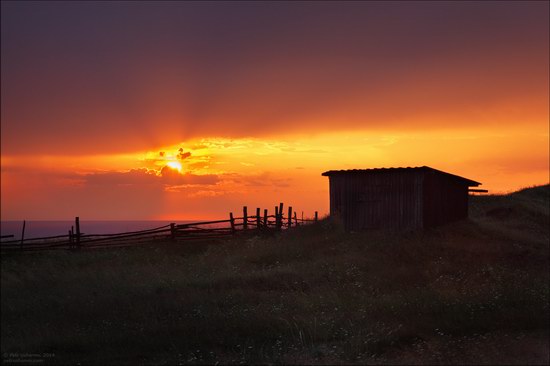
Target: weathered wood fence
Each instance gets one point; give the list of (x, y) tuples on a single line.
[(261, 222)]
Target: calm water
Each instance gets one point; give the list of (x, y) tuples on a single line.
[(35, 229)]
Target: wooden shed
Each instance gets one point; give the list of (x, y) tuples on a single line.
[(397, 198)]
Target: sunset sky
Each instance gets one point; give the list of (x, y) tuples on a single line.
[(189, 110)]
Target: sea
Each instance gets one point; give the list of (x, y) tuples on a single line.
[(36, 229)]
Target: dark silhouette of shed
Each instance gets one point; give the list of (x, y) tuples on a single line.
[(397, 198)]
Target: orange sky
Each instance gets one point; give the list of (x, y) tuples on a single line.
[(261, 99), (219, 175)]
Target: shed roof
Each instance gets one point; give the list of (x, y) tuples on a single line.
[(469, 182)]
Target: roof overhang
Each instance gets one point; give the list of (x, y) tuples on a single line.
[(468, 182)]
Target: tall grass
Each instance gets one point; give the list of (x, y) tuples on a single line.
[(470, 292)]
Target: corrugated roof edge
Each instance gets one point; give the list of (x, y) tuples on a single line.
[(471, 183)]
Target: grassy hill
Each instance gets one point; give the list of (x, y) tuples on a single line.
[(473, 292)]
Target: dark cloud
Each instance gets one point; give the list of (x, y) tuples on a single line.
[(162, 156), (148, 177), (173, 177), (264, 179), (131, 177), (183, 155)]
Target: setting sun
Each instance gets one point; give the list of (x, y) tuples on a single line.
[(176, 165)]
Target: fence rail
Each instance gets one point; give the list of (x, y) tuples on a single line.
[(194, 231)]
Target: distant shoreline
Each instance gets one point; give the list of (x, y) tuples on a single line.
[(38, 228)]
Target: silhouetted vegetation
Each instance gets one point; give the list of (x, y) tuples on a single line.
[(472, 292)]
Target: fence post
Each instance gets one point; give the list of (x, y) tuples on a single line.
[(22, 236), (315, 216), (265, 217), (295, 219), (276, 217), (258, 218), (289, 216), (77, 226), (70, 239), (173, 231), (232, 222), (245, 218), (280, 215)]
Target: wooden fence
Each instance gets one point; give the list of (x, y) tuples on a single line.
[(195, 231)]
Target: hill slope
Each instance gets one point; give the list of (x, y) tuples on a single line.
[(470, 292)]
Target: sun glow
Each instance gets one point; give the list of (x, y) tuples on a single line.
[(176, 165)]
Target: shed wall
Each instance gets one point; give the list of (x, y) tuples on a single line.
[(378, 200), (445, 199)]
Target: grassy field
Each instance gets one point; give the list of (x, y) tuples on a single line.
[(473, 292)]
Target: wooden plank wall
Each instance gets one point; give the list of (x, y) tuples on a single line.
[(445, 200), (378, 200)]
